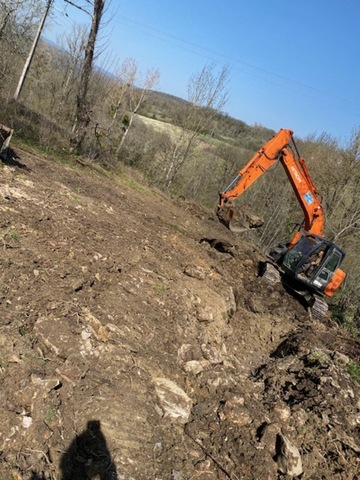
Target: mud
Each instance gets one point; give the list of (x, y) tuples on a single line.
[(137, 342)]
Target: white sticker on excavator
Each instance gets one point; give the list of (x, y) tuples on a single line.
[(309, 199)]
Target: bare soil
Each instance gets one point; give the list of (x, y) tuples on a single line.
[(137, 342)]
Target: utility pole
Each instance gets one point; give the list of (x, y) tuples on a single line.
[(32, 51)]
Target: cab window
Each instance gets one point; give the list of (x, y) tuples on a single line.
[(333, 262)]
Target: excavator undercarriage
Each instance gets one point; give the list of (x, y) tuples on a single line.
[(315, 304)]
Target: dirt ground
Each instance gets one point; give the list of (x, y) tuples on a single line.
[(137, 342)]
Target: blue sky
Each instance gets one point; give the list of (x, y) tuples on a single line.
[(293, 64)]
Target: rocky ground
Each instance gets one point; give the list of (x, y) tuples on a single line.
[(137, 342)]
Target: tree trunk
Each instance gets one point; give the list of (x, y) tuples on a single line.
[(83, 113)]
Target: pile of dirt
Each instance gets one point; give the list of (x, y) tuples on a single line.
[(138, 342)]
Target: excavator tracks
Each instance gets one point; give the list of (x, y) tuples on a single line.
[(319, 308), (271, 274)]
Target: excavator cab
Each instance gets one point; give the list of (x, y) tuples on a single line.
[(315, 262)]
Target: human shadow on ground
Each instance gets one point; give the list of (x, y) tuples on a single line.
[(88, 457)]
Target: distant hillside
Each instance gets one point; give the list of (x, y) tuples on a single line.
[(169, 108)]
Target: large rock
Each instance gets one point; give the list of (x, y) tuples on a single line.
[(174, 402), (288, 457)]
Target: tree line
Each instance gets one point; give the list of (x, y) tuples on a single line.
[(185, 147)]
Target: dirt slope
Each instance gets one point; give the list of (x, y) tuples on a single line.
[(137, 342)]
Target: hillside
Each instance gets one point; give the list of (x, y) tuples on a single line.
[(137, 343)]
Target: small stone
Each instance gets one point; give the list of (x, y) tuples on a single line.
[(341, 358), (85, 334), (281, 412), (204, 314), (212, 354), (27, 421), (186, 352), (288, 457), (195, 366), (195, 272), (357, 419), (14, 359), (47, 383)]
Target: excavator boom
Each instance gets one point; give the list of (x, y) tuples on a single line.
[(305, 192), (278, 148), (257, 165)]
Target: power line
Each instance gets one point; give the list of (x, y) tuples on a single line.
[(149, 31), (79, 7)]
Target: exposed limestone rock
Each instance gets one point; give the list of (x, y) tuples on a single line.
[(281, 412), (288, 456), (235, 412), (175, 403), (213, 354), (195, 271), (55, 334), (195, 366)]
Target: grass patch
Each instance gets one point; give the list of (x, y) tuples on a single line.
[(23, 329), (160, 288), (49, 415), (353, 369), (317, 356), (14, 235)]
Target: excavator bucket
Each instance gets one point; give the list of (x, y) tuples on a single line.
[(238, 220)]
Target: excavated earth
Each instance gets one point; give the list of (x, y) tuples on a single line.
[(137, 342)]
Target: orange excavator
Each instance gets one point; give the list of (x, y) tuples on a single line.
[(308, 264)]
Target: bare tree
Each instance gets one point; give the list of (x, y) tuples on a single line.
[(344, 213), (127, 94), (207, 95), (69, 64), (54, 76), (83, 114), (18, 22), (17, 17), (337, 174), (133, 90)]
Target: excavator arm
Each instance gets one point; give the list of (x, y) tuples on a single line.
[(280, 148), (306, 194)]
